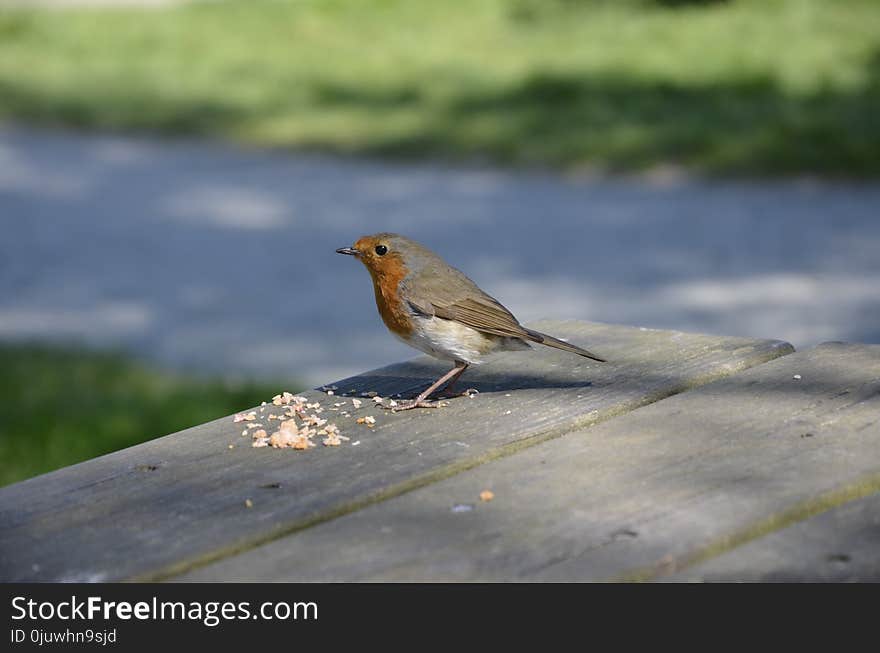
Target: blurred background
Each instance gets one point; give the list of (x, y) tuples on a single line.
[(174, 178)]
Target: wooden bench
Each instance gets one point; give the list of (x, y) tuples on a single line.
[(687, 457)]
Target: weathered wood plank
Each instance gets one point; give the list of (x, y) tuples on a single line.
[(840, 545), (179, 501), (636, 497)]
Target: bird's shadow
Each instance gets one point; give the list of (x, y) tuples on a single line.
[(406, 380)]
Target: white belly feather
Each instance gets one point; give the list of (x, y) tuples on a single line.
[(453, 341)]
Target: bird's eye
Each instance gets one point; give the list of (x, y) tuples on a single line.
[(381, 250)]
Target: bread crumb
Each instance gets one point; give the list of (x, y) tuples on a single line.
[(487, 495), (302, 442), (261, 439), (331, 441)]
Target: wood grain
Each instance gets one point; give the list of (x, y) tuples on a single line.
[(839, 545)]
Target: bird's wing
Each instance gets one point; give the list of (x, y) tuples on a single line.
[(460, 299), (477, 310), (483, 314)]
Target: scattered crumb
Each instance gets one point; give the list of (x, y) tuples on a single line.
[(302, 442), (378, 400), (797, 377), (313, 420), (392, 403), (261, 438), (248, 503), (355, 443), (487, 495), (332, 440), (231, 446), (300, 423), (282, 438)]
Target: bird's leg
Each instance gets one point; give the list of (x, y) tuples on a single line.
[(422, 400), (447, 391)]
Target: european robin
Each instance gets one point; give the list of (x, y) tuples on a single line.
[(434, 307)]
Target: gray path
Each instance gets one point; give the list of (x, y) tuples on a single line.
[(205, 256)]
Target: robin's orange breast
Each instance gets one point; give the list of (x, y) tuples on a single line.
[(386, 285)]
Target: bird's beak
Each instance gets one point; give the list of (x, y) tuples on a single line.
[(351, 251)]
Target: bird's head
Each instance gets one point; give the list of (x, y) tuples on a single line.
[(383, 254)]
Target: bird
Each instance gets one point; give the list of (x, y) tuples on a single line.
[(436, 308)]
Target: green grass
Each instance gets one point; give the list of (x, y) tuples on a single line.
[(60, 406), (744, 86)]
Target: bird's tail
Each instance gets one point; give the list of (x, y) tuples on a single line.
[(550, 341)]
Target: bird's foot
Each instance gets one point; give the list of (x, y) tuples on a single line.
[(470, 392), (409, 404)]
